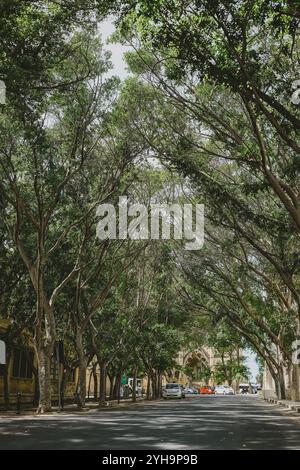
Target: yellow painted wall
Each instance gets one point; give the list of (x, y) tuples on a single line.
[(26, 386)]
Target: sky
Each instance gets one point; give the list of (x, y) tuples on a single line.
[(252, 364), (106, 28)]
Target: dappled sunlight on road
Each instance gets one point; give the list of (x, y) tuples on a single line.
[(196, 423)]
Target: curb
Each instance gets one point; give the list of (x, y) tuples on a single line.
[(77, 412), (285, 403)]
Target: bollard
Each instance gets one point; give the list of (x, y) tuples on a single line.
[(18, 403)]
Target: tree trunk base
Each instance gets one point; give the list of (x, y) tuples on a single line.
[(103, 404), (43, 409)]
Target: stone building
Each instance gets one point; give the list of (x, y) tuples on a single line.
[(20, 377), (197, 360)]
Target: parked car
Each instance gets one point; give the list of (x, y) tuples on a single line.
[(206, 390), (224, 390), (219, 390), (191, 391), (173, 390), (229, 390), (244, 388)]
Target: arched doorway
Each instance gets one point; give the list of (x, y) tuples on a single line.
[(197, 368)]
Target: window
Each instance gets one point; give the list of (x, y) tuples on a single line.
[(16, 363), (22, 364), (54, 369), (72, 376)]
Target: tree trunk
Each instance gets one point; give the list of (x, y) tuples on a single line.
[(154, 386), (82, 366), (102, 391), (159, 385), (119, 380), (280, 384), (295, 382), (44, 340), (89, 385), (295, 372), (44, 362), (115, 391), (117, 386), (36, 396), (94, 372), (148, 388), (111, 386), (134, 386)]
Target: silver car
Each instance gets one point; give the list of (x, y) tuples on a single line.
[(224, 390), (173, 391)]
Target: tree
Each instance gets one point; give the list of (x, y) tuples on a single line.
[(237, 46), (40, 164), (219, 158)]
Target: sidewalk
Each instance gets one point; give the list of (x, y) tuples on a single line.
[(73, 409), (291, 405)]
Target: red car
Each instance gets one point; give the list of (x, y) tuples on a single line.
[(206, 390)]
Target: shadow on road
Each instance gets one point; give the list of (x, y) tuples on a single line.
[(196, 423)]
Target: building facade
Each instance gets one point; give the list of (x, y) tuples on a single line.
[(193, 360), (19, 376)]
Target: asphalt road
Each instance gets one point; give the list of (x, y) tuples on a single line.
[(233, 422)]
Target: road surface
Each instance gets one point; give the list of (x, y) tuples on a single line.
[(233, 422)]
